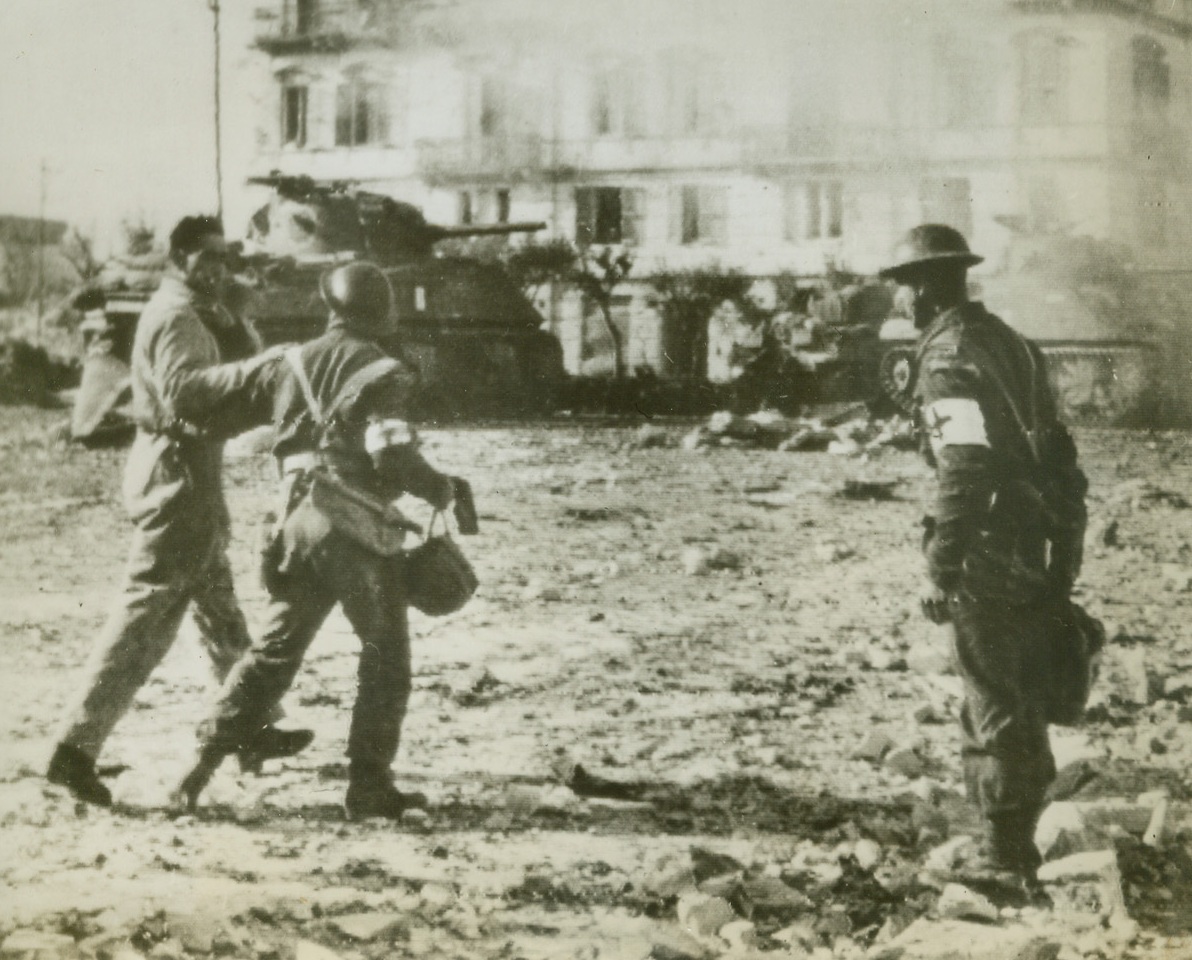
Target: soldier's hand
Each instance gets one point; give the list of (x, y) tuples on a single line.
[(444, 495), (934, 603)]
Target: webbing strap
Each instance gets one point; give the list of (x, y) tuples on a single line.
[(351, 387)]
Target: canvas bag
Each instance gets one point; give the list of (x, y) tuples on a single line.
[(438, 577), (369, 521)]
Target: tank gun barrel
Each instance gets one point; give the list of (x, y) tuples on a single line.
[(437, 232)]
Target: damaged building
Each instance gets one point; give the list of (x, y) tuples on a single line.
[(768, 136)]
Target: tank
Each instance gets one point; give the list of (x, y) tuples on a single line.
[(474, 338), (1077, 297), (466, 327)]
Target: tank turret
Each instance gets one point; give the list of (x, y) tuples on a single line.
[(307, 217)]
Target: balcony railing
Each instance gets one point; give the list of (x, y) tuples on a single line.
[(508, 159), (290, 26)]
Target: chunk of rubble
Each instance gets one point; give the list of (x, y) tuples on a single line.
[(875, 746), (906, 762), (367, 927), (1062, 831), (1090, 865), (1109, 813), (673, 876), (774, 896), (867, 853), (648, 437), (38, 945), (955, 940), (702, 915), (958, 902), (946, 857), (307, 950), (739, 934)]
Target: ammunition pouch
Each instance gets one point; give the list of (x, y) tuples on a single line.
[(438, 578)]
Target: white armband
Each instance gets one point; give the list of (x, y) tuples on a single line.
[(955, 423), (388, 433)]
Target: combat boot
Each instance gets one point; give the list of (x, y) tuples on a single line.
[(73, 769), (371, 793), (272, 743)]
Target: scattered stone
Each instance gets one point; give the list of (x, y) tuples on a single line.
[(945, 857), (875, 746), (672, 876), (649, 436), (306, 950), (928, 657), (797, 935), (1139, 686), (369, 926), (436, 897), (1091, 865), (1116, 812), (695, 562), (1178, 687), (701, 915), (1156, 828), (958, 902), (955, 940), (724, 560), (37, 945), (867, 853), (1062, 831), (905, 761), (710, 863), (928, 714), (774, 896), (832, 552), (415, 817), (739, 934), (197, 933), (696, 439)]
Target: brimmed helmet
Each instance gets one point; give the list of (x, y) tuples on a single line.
[(928, 245), (359, 296)]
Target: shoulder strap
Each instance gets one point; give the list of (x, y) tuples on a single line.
[(1030, 431), (351, 387)]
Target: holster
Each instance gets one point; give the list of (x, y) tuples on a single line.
[(369, 521)]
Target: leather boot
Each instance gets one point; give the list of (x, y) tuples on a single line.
[(371, 793), (75, 770), (272, 743)]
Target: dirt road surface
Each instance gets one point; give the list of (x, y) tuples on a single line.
[(693, 711)]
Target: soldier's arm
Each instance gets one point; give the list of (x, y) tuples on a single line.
[(392, 442), (189, 389), (954, 421)]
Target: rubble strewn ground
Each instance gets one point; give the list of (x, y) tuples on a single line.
[(692, 712)]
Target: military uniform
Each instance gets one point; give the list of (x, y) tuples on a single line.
[(183, 401), (1003, 541), (369, 446)]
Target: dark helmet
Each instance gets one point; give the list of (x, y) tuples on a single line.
[(927, 245), (359, 294)]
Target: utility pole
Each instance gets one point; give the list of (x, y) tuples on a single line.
[(213, 5), (41, 249)]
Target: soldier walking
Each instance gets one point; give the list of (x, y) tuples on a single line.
[(1003, 537), (341, 418), (185, 403)]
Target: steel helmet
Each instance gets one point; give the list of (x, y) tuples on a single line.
[(927, 245), (359, 295)]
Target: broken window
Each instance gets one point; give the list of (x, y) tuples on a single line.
[(294, 100), (700, 215), (1043, 78), (491, 120), (608, 215), (463, 210), (305, 16), (503, 206), (1152, 74), (360, 114)]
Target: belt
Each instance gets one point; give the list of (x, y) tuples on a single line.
[(298, 462)]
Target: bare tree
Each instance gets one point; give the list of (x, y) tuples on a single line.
[(597, 276), (79, 251), (686, 301)]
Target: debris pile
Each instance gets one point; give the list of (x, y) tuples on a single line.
[(851, 432)]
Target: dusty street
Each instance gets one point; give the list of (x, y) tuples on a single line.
[(684, 670)]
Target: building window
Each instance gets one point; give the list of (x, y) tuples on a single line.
[(491, 121), (822, 210), (360, 114), (964, 90), (947, 200), (503, 204), (464, 212), (305, 16), (294, 100), (1043, 79), (695, 95), (609, 215), (1152, 74), (700, 215), (616, 103)]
